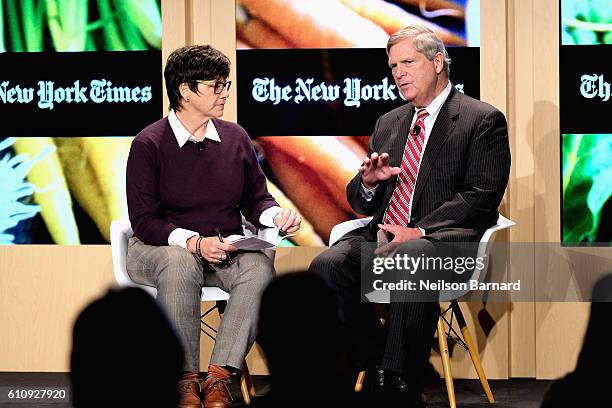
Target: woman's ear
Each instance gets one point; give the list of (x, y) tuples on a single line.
[(184, 90)]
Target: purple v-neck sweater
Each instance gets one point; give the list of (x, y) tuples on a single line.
[(171, 187)]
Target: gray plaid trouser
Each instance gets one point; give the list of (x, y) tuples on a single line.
[(179, 277)]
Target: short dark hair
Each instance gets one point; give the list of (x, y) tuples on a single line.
[(124, 342), (190, 64)]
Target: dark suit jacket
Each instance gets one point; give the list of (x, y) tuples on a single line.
[(463, 174)]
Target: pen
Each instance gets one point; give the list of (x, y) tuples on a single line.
[(281, 233), (229, 257)]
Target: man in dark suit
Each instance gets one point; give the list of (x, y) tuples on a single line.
[(436, 171)]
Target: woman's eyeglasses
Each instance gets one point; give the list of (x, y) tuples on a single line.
[(218, 86)]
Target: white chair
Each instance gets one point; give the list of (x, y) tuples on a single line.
[(467, 343), (121, 232)]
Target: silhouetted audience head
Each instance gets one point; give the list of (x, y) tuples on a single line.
[(125, 352), (586, 385), (298, 323), (301, 336)]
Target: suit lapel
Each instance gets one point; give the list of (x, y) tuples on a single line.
[(444, 126), (398, 142)]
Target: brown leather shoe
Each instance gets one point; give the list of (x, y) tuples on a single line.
[(189, 391), (216, 393)]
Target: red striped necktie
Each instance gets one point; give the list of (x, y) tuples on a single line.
[(398, 211)]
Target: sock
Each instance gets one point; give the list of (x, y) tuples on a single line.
[(215, 371)]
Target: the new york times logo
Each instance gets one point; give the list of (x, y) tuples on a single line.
[(50, 93), (354, 91), (592, 86), (412, 264)]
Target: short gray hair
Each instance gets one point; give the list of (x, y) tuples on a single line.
[(425, 41)]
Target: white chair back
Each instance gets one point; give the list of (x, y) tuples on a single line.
[(379, 296), (120, 233), (482, 253)]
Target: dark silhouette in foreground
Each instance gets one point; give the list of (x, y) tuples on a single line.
[(588, 385), (125, 353), (301, 336)]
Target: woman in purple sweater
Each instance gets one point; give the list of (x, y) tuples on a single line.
[(190, 177)]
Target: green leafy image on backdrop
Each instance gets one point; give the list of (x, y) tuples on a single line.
[(586, 22), (58, 26), (80, 25), (587, 175)]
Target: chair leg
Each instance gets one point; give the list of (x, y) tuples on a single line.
[(467, 338), (444, 354), (246, 385), (359, 382), (248, 380)]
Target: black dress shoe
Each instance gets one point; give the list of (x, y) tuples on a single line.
[(395, 382), (374, 380), (391, 389)]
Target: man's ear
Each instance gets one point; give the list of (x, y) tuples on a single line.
[(439, 62)]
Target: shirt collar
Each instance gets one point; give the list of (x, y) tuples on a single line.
[(182, 135), (434, 107)]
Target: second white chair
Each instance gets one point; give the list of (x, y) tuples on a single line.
[(467, 342)]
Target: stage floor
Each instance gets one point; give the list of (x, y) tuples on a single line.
[(524, 393)]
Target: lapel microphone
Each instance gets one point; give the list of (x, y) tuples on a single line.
[(416, 130), (199, 146)]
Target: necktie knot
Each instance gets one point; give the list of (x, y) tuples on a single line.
[(419, 124)]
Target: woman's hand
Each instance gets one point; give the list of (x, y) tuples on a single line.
[(211, 249), (288, 220)]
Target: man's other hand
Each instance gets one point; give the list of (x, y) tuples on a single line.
[(376, 168)]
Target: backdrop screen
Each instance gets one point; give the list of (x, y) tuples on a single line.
[(312, 80), (79, 79), (586, 130)]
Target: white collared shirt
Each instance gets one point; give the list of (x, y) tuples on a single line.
[(183, 136), (433, 109), (179, 236)]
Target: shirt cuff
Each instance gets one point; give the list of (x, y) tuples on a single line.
[(367, 193), (267, 216), (422, 231), (179, 237)]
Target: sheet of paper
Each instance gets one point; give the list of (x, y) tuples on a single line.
[(248, 243), (282, 237), (254, 243)]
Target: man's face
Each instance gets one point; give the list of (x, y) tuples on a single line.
[(415, 76)]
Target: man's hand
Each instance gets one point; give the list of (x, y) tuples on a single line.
[(376, 169), (213, 250), (288, 220), (401, 234)]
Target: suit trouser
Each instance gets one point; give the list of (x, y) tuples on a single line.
[(411, 325), (179, 277)]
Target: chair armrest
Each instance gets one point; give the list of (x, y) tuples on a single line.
[(345, 227), (120, 233)]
